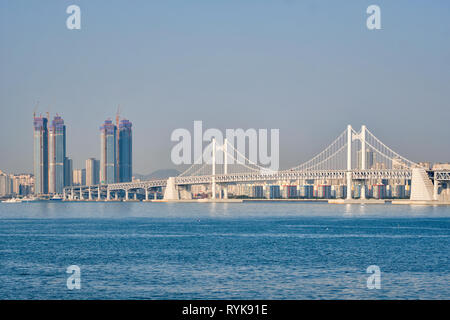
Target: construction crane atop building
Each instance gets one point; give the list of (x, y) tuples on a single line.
[(35, 108), (118, 115)]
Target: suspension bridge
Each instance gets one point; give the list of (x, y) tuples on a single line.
[(353, 158)]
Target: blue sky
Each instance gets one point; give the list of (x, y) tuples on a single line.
[(308, 68)]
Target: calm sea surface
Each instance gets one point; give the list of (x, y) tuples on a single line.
[(223, 251)]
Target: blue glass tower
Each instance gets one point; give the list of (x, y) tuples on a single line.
[(108, 158), (40, 155), (125, 151), (57, 155)]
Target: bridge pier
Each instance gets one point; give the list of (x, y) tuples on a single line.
[(108, 195), (171, 192), (363, 190), (435, 188), (225, 191), (146, 194), (90, 193)]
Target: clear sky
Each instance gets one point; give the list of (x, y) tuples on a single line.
[(308, 68)]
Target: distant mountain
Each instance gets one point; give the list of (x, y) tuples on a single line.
[(158, 174)]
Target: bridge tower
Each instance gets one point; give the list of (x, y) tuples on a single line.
[(363, 159), (213, 173), (349, 162), (225, 167)]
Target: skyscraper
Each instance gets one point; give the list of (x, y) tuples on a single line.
[(125, 151), (108, 158), (370, 159), (57, 155), (68, 171), (40, 155), (79, 177), (92, 171)]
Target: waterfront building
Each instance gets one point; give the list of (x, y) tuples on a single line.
[(57, 155), (274, 192), (441, 166), (398, 163), (5, 184), (40, 155), (291, 192), (370, 159), (68, 171), (125, 157), (108, 158), (92, 171), (340, 191), (258, 192), (426, 165), (22, 184), (324, 191), (307, 191), (79, 177), (379, 191)]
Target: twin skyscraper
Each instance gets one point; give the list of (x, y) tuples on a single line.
[(116, 152), (52, 166)]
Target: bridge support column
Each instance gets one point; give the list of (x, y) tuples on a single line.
[(108, 195), (225, 167), (127, 196), (72, 193), (81, 194), (146, 194), (90, 193), (363, 159), (213, 173), (225, 191), (64, 193), (171, 192), (135, 195), (435, 188), (349, 162)]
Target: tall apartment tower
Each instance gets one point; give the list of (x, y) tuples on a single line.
[(40, 155), (57, 155), (370, 159), (68, 171), (125, 156), (92, 171), (108, 158)]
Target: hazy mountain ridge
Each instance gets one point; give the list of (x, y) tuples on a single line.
[(158, 174)]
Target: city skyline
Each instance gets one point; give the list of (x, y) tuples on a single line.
[(53, 169), (305, 68)]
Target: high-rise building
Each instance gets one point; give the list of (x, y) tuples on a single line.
[(79, 177), (5, 184), (92, 171), (370, 159), (108, 159), (40, 155), (57, 155), (125, 155), (68, 171)]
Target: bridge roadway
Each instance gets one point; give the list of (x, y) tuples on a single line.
[(255, 177)]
